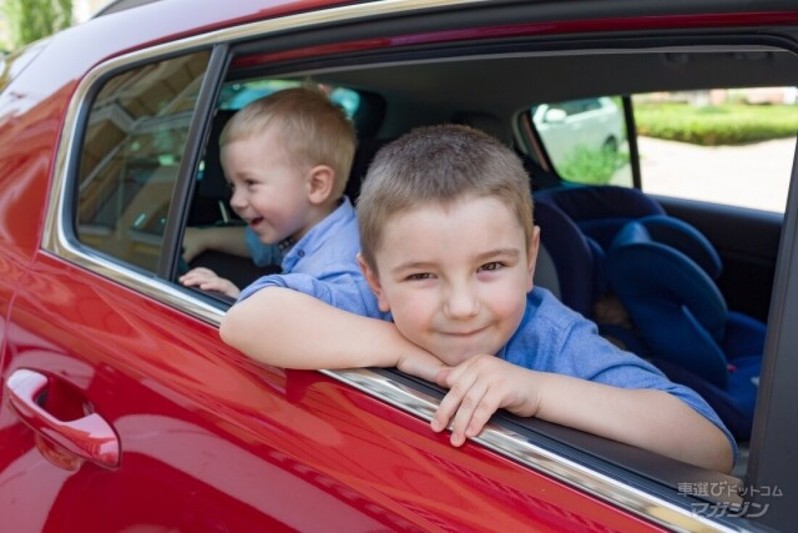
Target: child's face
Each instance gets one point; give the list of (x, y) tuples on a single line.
[(455, 278), (269, 193)]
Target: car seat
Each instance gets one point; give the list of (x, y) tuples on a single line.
[(663, 271), (571, 256), (577, 224), (600, 211), (210, 203), (364, 154)]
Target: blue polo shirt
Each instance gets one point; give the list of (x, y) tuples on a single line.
[(327, 251), (550, 338)]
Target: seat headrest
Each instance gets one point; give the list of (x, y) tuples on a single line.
[(685, 238), (487, 123), (572, 257), (601, 211), (631, 233), (212, 183), (364, 154)]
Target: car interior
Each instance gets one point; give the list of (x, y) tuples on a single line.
[(588, 232)]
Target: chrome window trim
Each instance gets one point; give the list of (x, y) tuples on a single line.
[(501, 440)]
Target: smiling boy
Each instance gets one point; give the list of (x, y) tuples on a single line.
[(287, 158), (448, 252)]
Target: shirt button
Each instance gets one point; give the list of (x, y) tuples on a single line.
[(301, 253)]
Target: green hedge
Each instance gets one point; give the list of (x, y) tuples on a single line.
[(595, 167), (716, 125)]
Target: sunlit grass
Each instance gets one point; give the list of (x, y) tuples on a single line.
[(716, 125)]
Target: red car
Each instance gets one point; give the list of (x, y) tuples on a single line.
[(122, 410)]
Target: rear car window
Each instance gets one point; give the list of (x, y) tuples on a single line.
[(130, 156), (585, 139)]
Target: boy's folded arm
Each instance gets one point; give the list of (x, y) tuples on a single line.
[(286, 328), (651, 419), (226, 239)]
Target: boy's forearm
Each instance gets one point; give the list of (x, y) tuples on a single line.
[(649, 419), (227, 239), (289, 329)]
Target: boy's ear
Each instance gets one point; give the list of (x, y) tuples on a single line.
[(320, 181), (374, 282), (532, 252)]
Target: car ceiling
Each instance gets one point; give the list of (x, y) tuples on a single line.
[(507, 83)]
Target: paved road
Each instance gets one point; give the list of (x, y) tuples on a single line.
[(755, 175)]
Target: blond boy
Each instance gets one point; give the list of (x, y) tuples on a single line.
[(287, 158)]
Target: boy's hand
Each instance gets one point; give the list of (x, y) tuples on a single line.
[(420, 363), (478, 387), (193, 243), (208, 280)]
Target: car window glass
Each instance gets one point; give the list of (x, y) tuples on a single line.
[(236, 95), (725, 146), (135, 138), (585, 139)]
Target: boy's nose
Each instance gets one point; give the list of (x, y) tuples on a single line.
[(238, 200), (461, 302)]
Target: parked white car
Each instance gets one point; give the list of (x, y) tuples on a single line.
[(594, 123)]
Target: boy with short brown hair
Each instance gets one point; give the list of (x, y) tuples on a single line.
[(449, 250)]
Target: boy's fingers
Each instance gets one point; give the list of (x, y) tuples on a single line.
[(482, 413), (426, 370), (442, 376), (469, 406), (451, 402)]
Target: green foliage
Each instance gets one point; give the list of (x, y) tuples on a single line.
[(594, 167), (716, 125), (31, 20)]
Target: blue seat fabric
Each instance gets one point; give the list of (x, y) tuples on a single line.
[(578, 224), (663, 271)]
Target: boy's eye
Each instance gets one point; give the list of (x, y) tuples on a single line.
[(490, 267), (419, 276)]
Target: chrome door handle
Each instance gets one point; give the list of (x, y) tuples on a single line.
[(90, 437)]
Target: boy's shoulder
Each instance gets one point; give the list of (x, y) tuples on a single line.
[(329, 248), (544, 312), (550, 333)]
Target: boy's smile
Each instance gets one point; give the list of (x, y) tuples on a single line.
[(269, 193), (455, 277)]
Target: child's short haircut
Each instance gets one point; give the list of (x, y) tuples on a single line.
[(440, 165), (315, 130)]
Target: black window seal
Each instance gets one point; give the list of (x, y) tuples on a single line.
[(198, 132)]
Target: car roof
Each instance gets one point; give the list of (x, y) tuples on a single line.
[(122, 5)]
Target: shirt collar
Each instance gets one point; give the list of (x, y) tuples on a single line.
[(286, 244)]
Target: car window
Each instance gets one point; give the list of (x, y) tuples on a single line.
[(131, 152), (585, 139), (724, 146)]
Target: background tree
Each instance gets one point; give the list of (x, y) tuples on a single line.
[(30, 20)]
